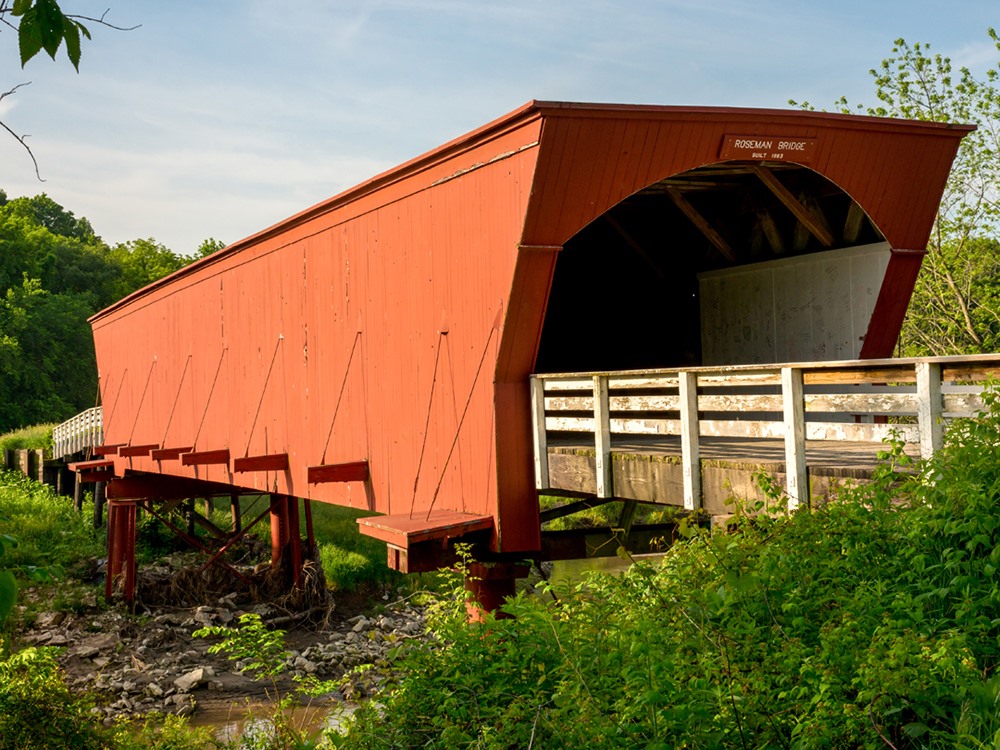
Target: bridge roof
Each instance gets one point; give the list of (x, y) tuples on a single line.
[(865, 149)]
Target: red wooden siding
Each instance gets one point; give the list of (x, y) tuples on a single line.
[(396, 324)]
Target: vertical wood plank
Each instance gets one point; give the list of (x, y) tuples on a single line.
[(690, 450), (538, 433), (796, 477), (929, 408), (602, 436)]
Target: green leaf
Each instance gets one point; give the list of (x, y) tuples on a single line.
[(50, 24), (8, 594), (72, 35), (29, 36), (21, 7)]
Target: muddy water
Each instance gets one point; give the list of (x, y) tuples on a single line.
[(250, 721)]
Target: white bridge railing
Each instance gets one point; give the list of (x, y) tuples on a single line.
[(861, 400), (83, 431)]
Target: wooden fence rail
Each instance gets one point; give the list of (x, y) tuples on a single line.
[(863, 400), (83, 431)]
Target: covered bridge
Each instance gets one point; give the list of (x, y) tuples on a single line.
[(375, 350)]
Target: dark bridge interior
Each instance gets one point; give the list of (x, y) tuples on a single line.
[(625, 292)]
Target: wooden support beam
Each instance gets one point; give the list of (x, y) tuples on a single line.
[(796, 476), (538, 434), (95, 465), (695, 217), (770, 229), (203, 458), (602, 437), (853, 223), (570, 509), (356, 471), (169, 454), (930, 408), (803, 232), (270, 462), (106, 450), (816, 224), (128, 451), (627, 517)]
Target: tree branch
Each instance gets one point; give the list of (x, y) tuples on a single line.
[(101, 20), (20, 138)]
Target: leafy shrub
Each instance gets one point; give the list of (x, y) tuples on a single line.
[(870, 622), (37, 709)]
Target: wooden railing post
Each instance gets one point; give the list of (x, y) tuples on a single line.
[(929, 408), (796, 476), (690, 451), (538, 433), (602, 437)]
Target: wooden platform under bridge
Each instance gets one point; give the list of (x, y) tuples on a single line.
[(694, 438)]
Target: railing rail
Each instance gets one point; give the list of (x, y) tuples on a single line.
[(859, 400), (78, 433)]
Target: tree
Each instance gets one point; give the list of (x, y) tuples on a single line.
[(209, 246), (42, 25), (141, 262), (955, 307)]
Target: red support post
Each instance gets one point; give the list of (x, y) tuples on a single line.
[(121, 549), (295, 540), (111, 567), (310, 537), (128, 558), (279, 527), (489, 585)]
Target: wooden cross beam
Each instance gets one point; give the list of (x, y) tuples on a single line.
[(816, 224), (695, 217)]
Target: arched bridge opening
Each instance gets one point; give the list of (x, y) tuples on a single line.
[(715, 262)]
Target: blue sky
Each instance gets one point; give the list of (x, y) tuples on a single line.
[(219, 118)]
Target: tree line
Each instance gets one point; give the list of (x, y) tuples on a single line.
[(55, 272)]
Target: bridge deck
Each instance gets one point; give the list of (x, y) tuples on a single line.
[(648, 467)]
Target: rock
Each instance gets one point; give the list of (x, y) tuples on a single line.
[(154, 690), (360, 624), (49, 620), (97, 643), (194, 678)]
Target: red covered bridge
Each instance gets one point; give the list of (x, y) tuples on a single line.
[(375, 350)]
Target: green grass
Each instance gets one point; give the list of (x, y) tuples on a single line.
[(49, 532), (38, 436), (350, 559)]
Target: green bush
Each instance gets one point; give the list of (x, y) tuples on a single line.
[(37, 709), (870, 622)]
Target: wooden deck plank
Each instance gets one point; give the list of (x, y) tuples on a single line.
[(403, 530)]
